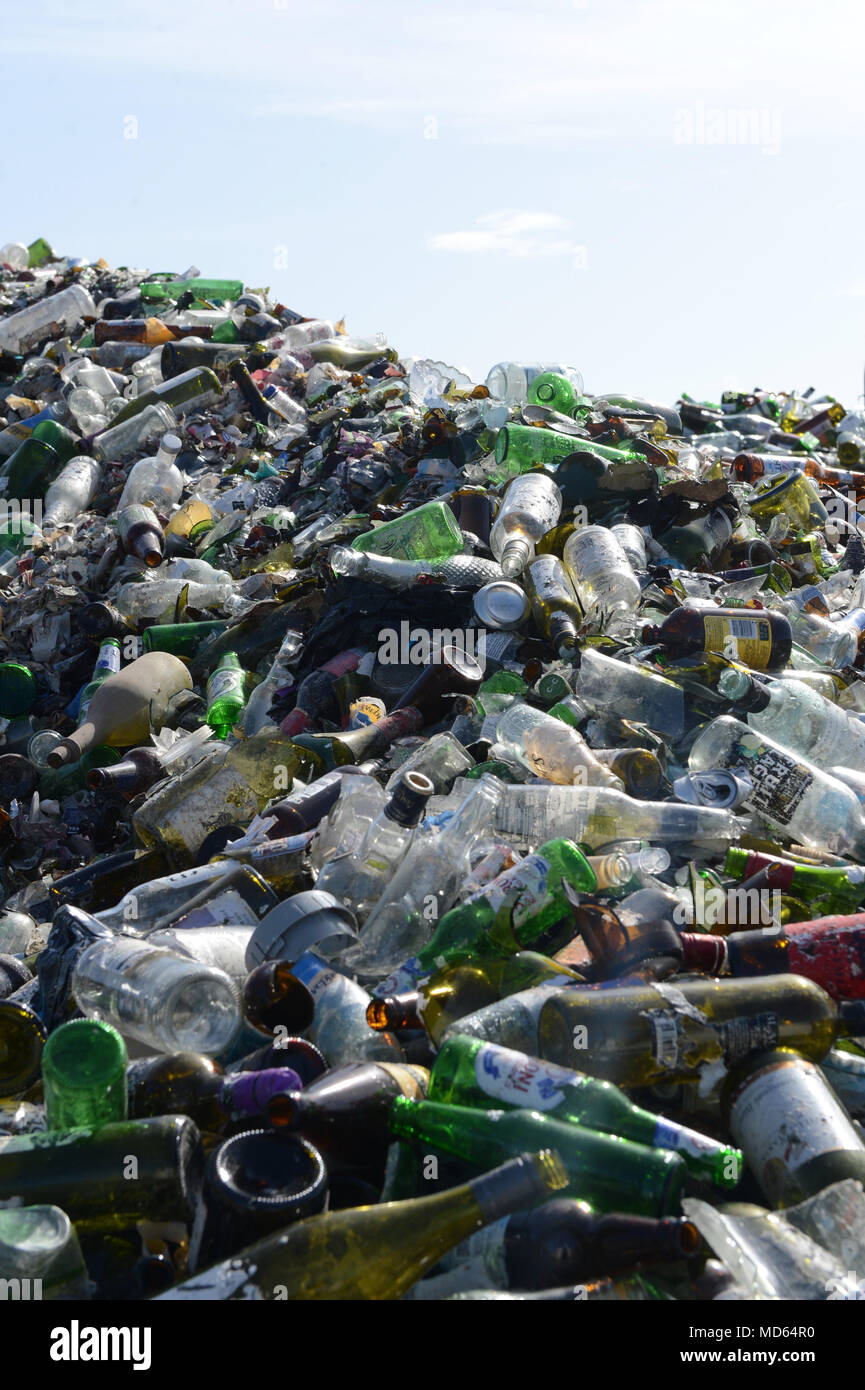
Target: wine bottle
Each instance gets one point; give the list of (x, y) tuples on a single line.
[(562, 1241), (89, 1171), (796, 1136), (126, 706), (642, 1036), (374, 1252)]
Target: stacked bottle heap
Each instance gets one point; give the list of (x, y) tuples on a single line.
[(432, 815)]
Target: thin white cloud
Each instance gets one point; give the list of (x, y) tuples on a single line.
[(523, 235)]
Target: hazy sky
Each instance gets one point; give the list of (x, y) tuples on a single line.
[(668, 196)]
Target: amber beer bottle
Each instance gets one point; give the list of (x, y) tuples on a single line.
[(758, 637)]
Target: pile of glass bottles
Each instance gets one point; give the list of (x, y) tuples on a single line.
[(432, 816)]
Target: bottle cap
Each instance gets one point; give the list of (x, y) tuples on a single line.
[(306, 920)]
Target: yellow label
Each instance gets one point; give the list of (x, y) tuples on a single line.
[(748, 640)]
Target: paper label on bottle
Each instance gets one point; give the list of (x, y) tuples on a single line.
[(747, 639), (521, 1080), (785, 1116), (528, 880), (779, 782), (664, 1028), (313, 972), (684, 1141), (755, 1033)]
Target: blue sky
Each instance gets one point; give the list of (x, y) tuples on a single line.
[(667, 196)]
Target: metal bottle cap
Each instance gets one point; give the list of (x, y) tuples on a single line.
[(501, 604)]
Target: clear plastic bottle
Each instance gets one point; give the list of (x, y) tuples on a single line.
[(170, 1003), (156, 482), (530, 508), (601, 573), (283, 405)]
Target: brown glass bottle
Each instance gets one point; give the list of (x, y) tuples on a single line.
[(273, 999), (141, 534), (345, 1113), (756, 636), (454, 673), (151, 331)]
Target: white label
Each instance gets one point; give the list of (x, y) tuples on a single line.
[(743, 627), (683, 1141), (665, 1036), (521, 1080), (785, 1116), (528, 879)]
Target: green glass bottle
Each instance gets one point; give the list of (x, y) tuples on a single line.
[(469, 1071), (214, 291), (843, 889), (27, 473), (513, 911), (198, 386), (17, 689), (59, 437), (107, 663), (522, 447), (429, 532), (84, 1075), (112, 1177), (226, 695), (373, 1252), (556, 392), (611, 1174), (181, 639)]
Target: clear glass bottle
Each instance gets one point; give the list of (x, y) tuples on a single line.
[(339, 1028), (601, 573), (631, 692), (790, 793), (531, 506), (360, 878), (72, 491), (550, 748), (170, 1003), (123, 442), (155, 482), (424, 887)]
